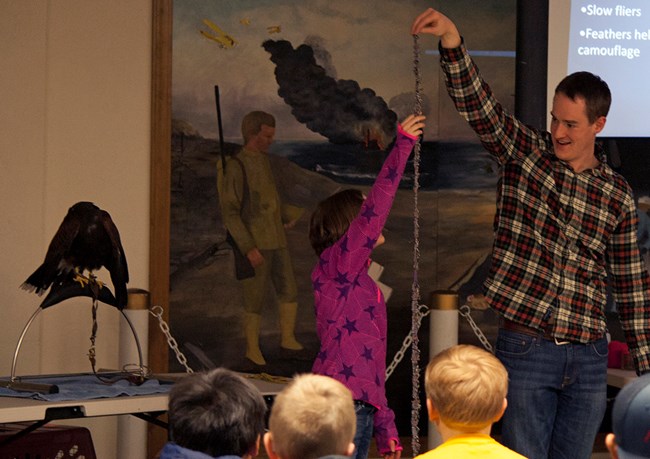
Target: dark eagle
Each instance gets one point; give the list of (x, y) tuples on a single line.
[(86, 240)]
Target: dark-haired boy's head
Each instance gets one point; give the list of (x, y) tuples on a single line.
[(218, 413)]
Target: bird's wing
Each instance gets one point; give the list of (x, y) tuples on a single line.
[(118, 267), (43, 277)]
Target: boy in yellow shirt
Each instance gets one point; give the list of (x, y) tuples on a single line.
[(466, 393)]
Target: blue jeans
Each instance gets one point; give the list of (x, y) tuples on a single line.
[(557, 395), (363, 436)]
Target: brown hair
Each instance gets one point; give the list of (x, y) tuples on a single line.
[(332, 217), (252, 123), (589, 87)]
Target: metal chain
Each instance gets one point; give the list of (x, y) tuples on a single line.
[(408, 340), (424, 311), (464, 311), (416, 316), (92, 355), (157, 311)]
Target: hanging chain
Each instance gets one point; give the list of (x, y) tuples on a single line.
[(157, 311), (421, 313), (134, 374), (92, 356), (416, 315), (408, 339), (464, 311)]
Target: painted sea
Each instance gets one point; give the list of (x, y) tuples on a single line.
[(443, 165)]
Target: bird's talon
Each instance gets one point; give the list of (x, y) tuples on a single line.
[(83, 280), (93, 279)]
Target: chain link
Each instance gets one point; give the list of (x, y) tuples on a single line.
[(423, 311), (416, 315), (465, 312), (157, 311)]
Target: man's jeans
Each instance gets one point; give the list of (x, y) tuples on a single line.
[(363, 435), (557, 395)]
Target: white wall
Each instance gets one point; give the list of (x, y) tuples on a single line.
[(74, 125)]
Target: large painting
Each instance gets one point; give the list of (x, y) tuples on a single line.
[(337, 75)]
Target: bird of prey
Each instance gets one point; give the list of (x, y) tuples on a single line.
[(86, 240)]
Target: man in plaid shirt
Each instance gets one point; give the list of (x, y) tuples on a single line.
[(564, 218)]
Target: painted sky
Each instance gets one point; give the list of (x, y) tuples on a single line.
[(365, 41)]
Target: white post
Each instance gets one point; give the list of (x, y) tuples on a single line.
[(443, 333), (131, 431)]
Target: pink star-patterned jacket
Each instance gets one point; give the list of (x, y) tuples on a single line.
[(351, 318)]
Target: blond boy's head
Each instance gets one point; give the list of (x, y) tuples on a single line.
[(312, 417), (466, 388)]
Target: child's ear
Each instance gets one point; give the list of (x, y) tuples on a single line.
[(255, 450), (268, 445), (434, 415), (610, 442), (350, 450), (503, 410)]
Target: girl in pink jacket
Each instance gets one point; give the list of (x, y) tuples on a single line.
[(351, 318)]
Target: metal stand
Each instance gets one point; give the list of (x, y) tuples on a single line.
[(16, 384)]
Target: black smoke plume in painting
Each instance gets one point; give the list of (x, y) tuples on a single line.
[(337, 109)]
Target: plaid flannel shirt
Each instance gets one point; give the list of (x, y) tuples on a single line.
[(557, 233)]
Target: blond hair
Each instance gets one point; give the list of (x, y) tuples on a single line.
[(467, 386), (312, 417)]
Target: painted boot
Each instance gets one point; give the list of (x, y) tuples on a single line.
[(252, 332), (287, 324)]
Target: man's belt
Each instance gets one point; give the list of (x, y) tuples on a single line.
[(525, 330)]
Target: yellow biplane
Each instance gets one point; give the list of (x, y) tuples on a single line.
[(223, 39)]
